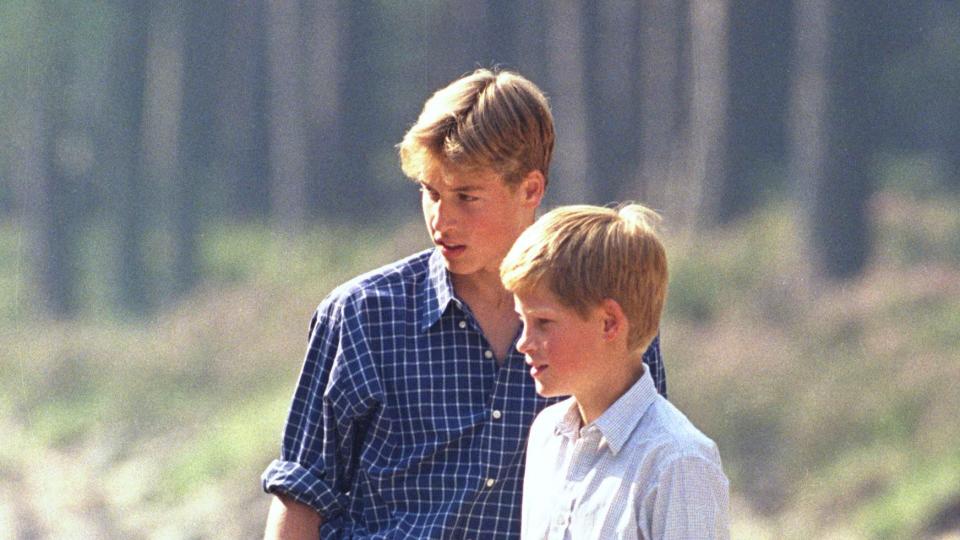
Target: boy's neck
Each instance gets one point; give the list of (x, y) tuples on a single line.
[(594, 403), (492, 307), (482, 290)]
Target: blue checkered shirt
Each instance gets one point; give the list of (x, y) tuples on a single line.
[(402, 424)]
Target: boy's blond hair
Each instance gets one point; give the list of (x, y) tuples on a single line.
[(488, 120), (585, 254)]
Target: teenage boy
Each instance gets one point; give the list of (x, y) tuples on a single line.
[(615, 460), (413, 406)]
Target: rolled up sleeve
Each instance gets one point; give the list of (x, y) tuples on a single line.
[(297, 482), (333, 395)]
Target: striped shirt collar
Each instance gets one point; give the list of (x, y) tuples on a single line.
[(617, 422)]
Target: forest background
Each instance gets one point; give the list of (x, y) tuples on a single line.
[(182, 182)]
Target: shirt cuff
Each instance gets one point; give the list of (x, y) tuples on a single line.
[(298, 483)]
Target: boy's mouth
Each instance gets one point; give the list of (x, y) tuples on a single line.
[(450, 250), (536, 370)]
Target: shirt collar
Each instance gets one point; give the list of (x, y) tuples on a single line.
[(437, 291), (620, 419)]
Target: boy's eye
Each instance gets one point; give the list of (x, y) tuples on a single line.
[(467, 198)]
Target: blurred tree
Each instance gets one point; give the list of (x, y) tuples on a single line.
[(530, 41), (125, 153), (244, 138), (203, 25), (759, 76), (707, 125), (937, 74), (287, 105), (323, 38), (660, 100), (611, 80), (355, 191), (51, 205), (565, 75), (808, 118), (502, 32), (836, 114), (841, 224)]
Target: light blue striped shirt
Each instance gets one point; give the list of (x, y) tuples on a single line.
[(641, 470)]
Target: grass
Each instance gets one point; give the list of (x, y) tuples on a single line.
[(834, 407)]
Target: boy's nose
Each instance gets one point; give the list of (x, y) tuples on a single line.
[(442, 218), (524, 344)]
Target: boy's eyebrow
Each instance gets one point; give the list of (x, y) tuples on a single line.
[(459, 189)]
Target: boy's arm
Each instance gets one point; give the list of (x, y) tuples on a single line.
[(691, 500), (290, 520), (336, 390)]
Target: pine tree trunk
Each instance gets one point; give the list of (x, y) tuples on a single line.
[(565, 65)]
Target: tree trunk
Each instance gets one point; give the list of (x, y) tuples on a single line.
[(759, 78), (245, 138), (288, 133), (808, 127), (363, 136), (612, 83), (125, 156), (325, 68), (660, 98), (51, 204), (565, 65), (530, 40), (196, 140), (708, 108), (840, 216)]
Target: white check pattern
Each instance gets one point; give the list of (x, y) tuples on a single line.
[(641, 470), (402, 426)]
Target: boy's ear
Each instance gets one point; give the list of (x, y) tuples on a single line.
[(532, 188), (615, 321)]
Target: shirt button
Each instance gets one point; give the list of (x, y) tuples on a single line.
[(462, 324), (489, 483), (497, 415), (488, 354)]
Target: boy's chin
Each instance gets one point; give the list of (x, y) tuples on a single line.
[(546, 392)]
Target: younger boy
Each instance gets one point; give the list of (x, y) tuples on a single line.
[(615, 460)]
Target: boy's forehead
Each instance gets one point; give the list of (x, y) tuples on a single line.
[(535, 299), (452, 177)]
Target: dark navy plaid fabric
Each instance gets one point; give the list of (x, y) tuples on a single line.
[(403, 425)]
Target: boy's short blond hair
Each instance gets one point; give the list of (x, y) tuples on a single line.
[(486, 120), (586, 254)]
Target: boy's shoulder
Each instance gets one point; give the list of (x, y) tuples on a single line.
[(666, 434), (395, 279)]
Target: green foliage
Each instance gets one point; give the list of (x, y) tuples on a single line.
[(915, 497), (234, 440)]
